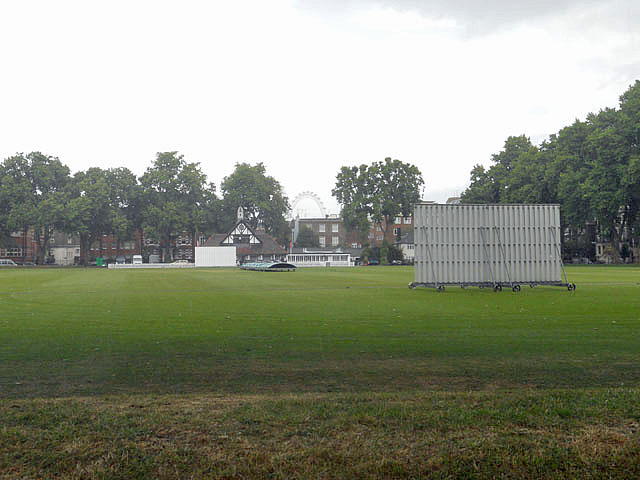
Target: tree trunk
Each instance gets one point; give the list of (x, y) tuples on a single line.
[(85, 244), (42, 250), (615, 252), (193, 246), (24, 244)]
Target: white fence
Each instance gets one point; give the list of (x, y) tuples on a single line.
[(487, 244)]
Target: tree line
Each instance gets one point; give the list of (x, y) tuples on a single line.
[(591, 168), (173, 196)]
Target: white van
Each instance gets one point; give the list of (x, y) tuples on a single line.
[(7, 262), (137, 260)]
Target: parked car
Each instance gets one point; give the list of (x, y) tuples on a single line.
[(6, 262), (137, 260)]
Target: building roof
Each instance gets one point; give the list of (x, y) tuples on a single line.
[(245, 245), (61, 239)]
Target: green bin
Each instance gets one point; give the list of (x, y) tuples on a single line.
[(99, 262)]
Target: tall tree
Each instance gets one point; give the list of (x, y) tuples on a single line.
[(125, 200), (592, 168), (509, 179), (377, 192), (90, 211), (34, 187), (176, 199), (261, 197)]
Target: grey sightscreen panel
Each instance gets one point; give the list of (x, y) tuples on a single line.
[(487, 243)]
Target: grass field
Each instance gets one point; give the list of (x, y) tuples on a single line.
[(321, 373)]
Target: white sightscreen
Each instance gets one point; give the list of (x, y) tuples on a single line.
[(487, 243), (215, 256)]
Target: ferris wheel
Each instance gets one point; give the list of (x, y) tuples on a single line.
[(297, 209)]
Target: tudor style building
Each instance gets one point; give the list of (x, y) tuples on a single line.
[(251, 245)]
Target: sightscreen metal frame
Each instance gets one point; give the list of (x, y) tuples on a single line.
[(488, 246)]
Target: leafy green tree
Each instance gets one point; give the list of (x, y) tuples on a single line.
[(629, 127), (377, 193), (514, 177), (592, 168), (606, 155), (306, 238), (33, 186), (394, 254), (89, 211), (261, 197), (125, 199), (176, 198), (384, 252), (482, 188)]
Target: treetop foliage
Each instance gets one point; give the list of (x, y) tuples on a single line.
[(171, 197), (377, 192), (591, 168)]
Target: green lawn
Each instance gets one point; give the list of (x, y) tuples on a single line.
[(322, 373)]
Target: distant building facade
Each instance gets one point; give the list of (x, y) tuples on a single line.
[(21, 247), (251, 245), (330, 232), (63, 249), (407, 247), (109, 247)]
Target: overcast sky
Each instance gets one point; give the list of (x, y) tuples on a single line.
[(306, 86)]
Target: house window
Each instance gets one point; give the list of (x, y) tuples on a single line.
[(398, 220), (370, 235), (14, 252), (335, 240), (396, 231), (378, 228), (354, 245), (407, 220), (321, 227), (69, 239), (334, 227), (379, 237), (203, 240), (322, 242)]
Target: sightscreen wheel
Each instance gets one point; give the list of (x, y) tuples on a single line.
[(441, 288), (497, 288), (571, 287), (516, 288)]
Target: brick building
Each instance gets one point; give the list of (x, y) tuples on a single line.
[(21, 247), (330, 231), (395, 230), (108, 247)]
